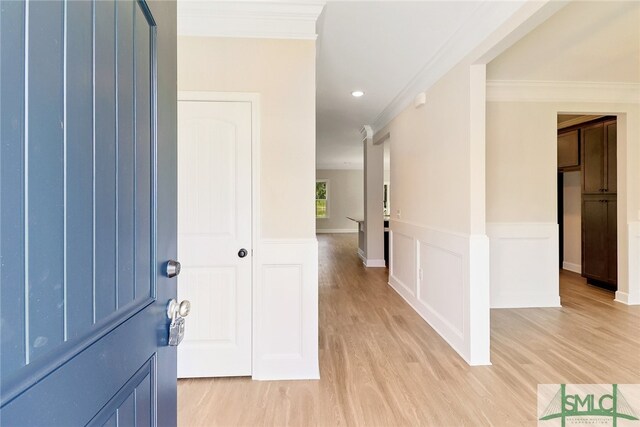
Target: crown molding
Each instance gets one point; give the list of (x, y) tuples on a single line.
[(455, 49), (464, 45), (562, 91), (249, 19), (367, 133)]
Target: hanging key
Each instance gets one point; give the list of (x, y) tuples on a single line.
[(177, 312)]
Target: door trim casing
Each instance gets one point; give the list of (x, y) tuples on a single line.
[(254, 99)]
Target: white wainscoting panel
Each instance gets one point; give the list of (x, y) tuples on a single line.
[(403, 261), (282, 286), (632, 295), (285, 342), (431, 269), (442, 277), (524, 265)]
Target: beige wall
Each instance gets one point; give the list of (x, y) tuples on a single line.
[(586, 41), (521, 162), (346, 198), (572, 219), (283, 73), (430, 157)]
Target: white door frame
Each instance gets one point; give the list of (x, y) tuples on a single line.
[(254, 100)]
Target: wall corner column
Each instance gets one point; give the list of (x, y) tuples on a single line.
[(478, 323), (373, 200)]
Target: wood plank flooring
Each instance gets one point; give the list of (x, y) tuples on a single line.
[(382, 365)]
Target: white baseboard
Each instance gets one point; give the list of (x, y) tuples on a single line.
[(627, 299), (374, 263), (525, 300), (576, 268), (336, 230)]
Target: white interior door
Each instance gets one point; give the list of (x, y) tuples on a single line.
[(214, 224)]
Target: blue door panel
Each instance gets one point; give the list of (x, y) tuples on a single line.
[(126, 413), (145, 403), (83, 338), (133, 404), (79, 148), (90, 381), (125, 147), (12, 295), (105, 172), (45, 179), (142, 157), (112, 421)]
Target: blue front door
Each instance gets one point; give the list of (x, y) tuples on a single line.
[(87, 193)]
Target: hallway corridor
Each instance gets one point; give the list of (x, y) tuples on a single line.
[(382, 365)]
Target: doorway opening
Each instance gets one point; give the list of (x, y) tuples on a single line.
[(587, 200)]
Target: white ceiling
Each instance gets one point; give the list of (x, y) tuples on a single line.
[(382, 47)]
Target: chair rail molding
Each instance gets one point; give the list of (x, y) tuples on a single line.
[(250, 19)]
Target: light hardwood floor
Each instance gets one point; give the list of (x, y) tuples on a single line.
[(382, 365)]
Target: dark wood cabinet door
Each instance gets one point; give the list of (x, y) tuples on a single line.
[(612, 241), (593, 154), (611, 134), (568, 149), (594, 238)]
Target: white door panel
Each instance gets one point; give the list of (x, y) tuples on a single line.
[(214, 223)]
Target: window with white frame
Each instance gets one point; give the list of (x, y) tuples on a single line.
[(322, 198)]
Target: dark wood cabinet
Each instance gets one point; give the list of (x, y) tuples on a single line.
[(599, 239), (595, 241), (599, 203), (568, 150), (599, 158), (611, 162), (593, 159)]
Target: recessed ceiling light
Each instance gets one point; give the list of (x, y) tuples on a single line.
[(357, 93)]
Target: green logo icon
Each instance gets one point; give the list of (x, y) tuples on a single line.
[(609, 405)]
